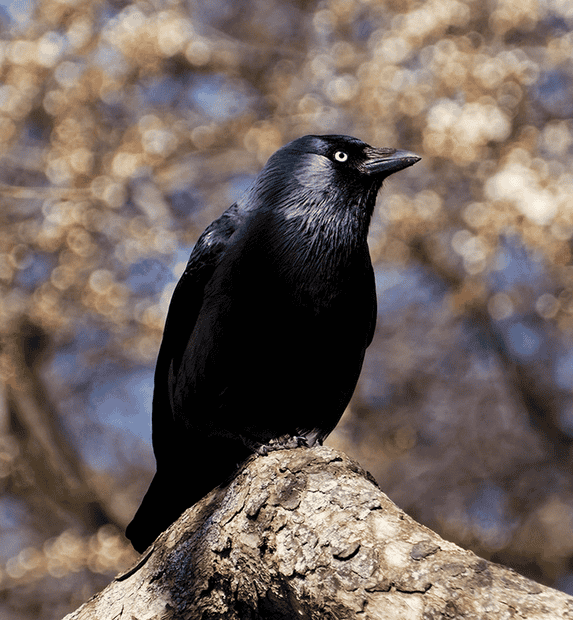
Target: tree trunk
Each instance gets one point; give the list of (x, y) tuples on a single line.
[(306, 533)]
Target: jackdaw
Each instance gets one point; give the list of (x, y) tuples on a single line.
[(267, 328)]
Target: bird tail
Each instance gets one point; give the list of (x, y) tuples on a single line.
[(182, 482), (158, 510)]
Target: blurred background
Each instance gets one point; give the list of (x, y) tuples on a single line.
[(126, 127)]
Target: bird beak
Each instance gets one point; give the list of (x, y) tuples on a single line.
[(384, 162)]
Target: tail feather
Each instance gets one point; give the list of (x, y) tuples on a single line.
[(181, 484)]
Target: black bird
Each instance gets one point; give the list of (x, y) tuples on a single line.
[(268, 325)]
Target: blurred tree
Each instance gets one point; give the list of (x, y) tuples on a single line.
[(126, 127)]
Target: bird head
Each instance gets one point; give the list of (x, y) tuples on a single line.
[(345, 158), (316, 170)]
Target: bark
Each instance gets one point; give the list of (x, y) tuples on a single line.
[(306, 533)]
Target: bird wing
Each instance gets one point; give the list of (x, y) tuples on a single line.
[(182, 315), (373, 308)]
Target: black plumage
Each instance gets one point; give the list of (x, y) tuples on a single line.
[(268, 325)]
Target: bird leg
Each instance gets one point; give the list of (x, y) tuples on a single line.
[(284, 442)]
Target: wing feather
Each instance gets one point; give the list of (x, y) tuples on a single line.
[(181, 318)]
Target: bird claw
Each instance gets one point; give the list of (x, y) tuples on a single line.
[(284, 442)]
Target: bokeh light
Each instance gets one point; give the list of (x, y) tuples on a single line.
[(127, 128)]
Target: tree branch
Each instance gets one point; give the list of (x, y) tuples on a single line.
[(56, 478), (306, 533)]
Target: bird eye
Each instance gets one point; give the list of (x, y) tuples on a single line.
[(340, 156)]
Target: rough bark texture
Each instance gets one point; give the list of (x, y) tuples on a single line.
[(306, 533)]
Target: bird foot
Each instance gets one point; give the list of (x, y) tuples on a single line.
[(284, 442)]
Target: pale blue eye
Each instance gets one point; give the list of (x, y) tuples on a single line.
[(340, 156)]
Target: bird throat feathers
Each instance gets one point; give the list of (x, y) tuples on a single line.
[(317, 238)]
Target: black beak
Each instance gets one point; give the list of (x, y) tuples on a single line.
[(384, 162)]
